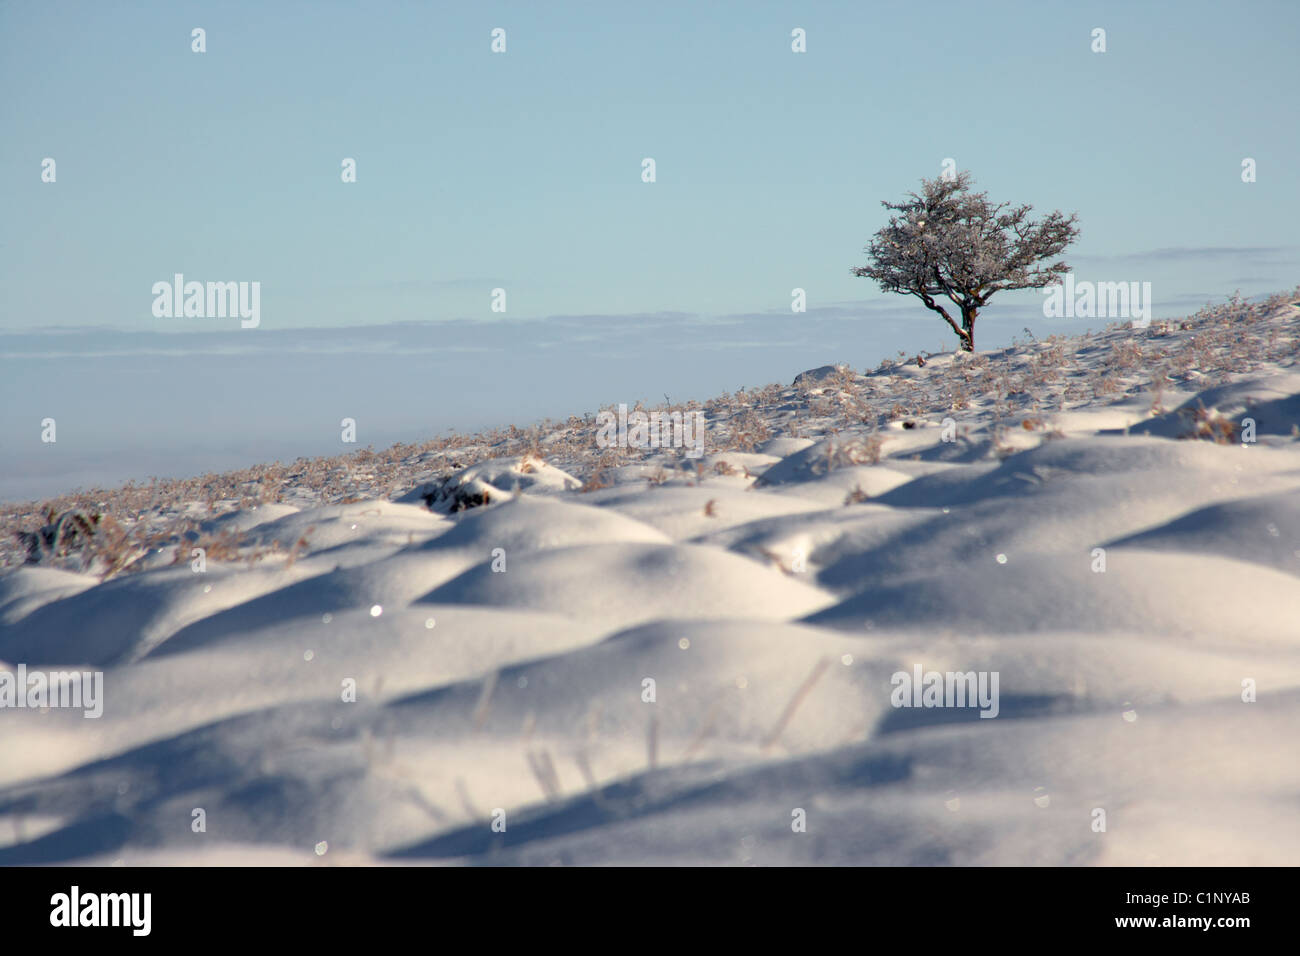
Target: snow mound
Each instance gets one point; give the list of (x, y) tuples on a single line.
[(1179, 598), (27, 588), (490, 482), (821, 374), (537, 524), (682, 513), (825, 457), (621, 585), (1263, 529), (1273, 404), (784, 446), (124, 618)]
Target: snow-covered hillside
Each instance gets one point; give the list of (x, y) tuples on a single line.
[(566, 653)]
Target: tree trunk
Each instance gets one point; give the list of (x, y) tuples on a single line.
[(968, 328)]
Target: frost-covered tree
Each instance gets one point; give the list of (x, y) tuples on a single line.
[(948, 242)]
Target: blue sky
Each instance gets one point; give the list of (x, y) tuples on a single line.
[(522, 171)]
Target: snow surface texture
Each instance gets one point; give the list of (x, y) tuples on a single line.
[(500, 620)]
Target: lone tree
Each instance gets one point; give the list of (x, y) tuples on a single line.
[(951, 243)]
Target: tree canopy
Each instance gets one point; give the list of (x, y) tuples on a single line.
[(949, 243)]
